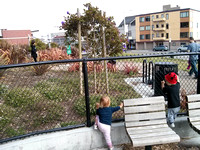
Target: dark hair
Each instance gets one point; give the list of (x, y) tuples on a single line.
[(191, 38)]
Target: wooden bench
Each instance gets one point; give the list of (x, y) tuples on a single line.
[(145, 121), (193, 106)]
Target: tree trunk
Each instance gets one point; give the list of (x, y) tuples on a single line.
[(80, 55), (104, 55)]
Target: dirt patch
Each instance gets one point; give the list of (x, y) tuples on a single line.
[(172, 146)]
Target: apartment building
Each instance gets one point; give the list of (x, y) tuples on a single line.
[(127, 27), (171, 27)]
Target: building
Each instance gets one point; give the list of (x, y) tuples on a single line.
[(16, 37), (127, 27), (171, 27), (58, 38)]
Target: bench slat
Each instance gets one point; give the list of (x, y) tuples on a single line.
[(145, 116), (148, 127), (193, 98), (145, 123), (148, 131), (141, 101), (195, 118), (147, 108), (194, 112), (155, 140), (195, 123), (197, 127), (152, 134), (195, 105)]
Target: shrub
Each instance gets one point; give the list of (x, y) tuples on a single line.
[(48, 55), (90, 67), (111, 67), (46, 112), (80, 106), (3, 90), (55, 91), (65, 124), (131, 70), (14, 55), (7, 113), (4, 45), (41, 69), (14, 132), (19, 97)]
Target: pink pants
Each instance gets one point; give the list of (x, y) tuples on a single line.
[(105, 129)]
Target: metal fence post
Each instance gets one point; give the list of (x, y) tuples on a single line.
[(198, 79), (87, 99)]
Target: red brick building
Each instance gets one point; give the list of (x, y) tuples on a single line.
[(16, 37)]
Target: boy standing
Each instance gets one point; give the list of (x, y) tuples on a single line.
[(171, 88)]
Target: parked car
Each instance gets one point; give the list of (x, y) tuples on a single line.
[(160, 48), (183, 48)]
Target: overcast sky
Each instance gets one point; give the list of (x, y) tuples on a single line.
[(47, 15)]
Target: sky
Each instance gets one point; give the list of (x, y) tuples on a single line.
[(47, 15)]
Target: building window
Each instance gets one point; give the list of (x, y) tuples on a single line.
[(133, 23), (184, 14), (167, 35), (148, 27), (157, 16), (147, 18), (141, 37), (152, 36), (157, 25), (141, 28), (141, 19), (183, 43), (167, 26), (191, 34), (157, 35), (162, 15), (184, 35), (147, 36), (129, 33), (184, 24), (167, 16), (152, 27), (162, 34), (152, 17), (162, 25)]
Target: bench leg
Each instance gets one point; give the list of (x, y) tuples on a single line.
[(148, 147)]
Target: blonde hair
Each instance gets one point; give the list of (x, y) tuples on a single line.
[(104, 101)]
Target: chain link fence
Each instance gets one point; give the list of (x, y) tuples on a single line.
[(50, 96)]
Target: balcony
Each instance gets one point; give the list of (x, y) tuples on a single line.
[(159, 38), (159, 19), (159, 29)]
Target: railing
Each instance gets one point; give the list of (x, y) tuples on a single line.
[(45, 97)]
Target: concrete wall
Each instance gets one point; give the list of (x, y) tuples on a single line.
[(76, 139), (90, 139)]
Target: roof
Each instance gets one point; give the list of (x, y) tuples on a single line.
[(128, 20), (20, 37), (167, 11)]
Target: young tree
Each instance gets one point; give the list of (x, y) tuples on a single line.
[(91, 22), (96, 29)]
